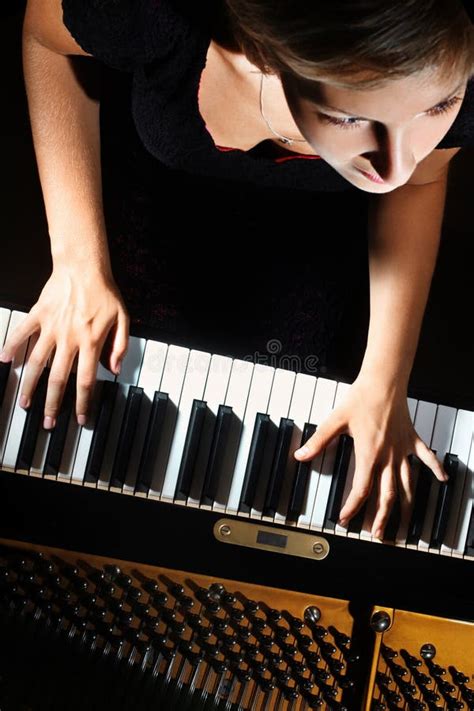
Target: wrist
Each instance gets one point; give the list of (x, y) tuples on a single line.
[(90, 257), (389, 384)]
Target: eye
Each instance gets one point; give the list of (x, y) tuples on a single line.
[(355, 122), (445, 106), (342, 123)]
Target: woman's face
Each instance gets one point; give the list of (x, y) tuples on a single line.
[(386, 131)]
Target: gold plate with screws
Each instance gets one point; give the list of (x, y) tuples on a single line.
[(270, 538)]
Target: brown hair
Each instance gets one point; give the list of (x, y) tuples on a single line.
[(353, 43)]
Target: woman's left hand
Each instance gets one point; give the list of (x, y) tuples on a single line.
[(378, 419)]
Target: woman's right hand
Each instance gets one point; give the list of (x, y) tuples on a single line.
[(76, 313)]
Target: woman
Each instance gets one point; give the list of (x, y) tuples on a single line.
[(366, 94)]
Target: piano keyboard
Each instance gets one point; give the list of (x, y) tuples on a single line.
[(209, 432)]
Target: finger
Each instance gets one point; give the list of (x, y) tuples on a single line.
[(34, 366), (18, 336), (388, 493), (330, 428), (86, 376), (360, 491), (430, 459), (120, 341), (406, 488), (57, 381)]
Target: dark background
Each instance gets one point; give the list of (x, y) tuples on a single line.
[(226, 267)]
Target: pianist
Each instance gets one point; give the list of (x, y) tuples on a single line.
[(372, 96)]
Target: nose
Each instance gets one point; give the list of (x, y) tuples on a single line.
[(393, 157)]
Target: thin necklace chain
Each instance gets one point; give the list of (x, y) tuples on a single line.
[(283, 139)]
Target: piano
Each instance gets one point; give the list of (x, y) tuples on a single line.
[(185, 464)]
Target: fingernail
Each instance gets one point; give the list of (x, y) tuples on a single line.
[(4, 357), (343, 522), (378, 534), (81, 420), (302, 452), (118, 368), (24, 402), (48, 423)]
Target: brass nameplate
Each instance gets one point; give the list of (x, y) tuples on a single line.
[(269, 538)]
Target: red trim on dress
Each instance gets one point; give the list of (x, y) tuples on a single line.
[(282, 159)]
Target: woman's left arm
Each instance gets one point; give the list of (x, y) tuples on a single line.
[(404, 234)]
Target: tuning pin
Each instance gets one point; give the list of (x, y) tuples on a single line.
[(216, 591), (112, 571), (251, 607), (123, 580), (229, 599), (177, 590), (185, 602), (388, 653), (458, 677), (160, 600)]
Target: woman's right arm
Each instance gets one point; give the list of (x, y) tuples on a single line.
[(80, 304)]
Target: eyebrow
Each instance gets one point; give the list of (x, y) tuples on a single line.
[(341, 111)]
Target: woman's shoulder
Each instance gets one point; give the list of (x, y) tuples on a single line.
[(127, 33)]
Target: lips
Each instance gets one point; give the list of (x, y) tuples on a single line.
[(371, 176)]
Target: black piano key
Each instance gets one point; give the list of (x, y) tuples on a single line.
[(443, 504), (4, 374), (393, 523), (190, 449), (151, 443), (470, 537), (127, 436), (220, 437), (341, 465), (58, 434), (33, 420), (357, 521), (279, 464), (99, 437), (300, 482), (422, 493), (252, 471)]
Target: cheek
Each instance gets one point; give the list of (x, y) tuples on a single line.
[(335, 144)]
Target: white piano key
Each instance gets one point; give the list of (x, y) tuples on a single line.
[(172, 383), (193, 388), (467, 508), (39, 455), (278, 407), (323, 404), (215, 392), (4, 321), (14, 389), (370, 511), (258, 399), (441, 444), (11, 392), (461, 446), (79, 439), (236, 398), (327, 468), (151, 373), (424, 425), (129, 374), (300, 412)]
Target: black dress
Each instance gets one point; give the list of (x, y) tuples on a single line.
[(233, 250)]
